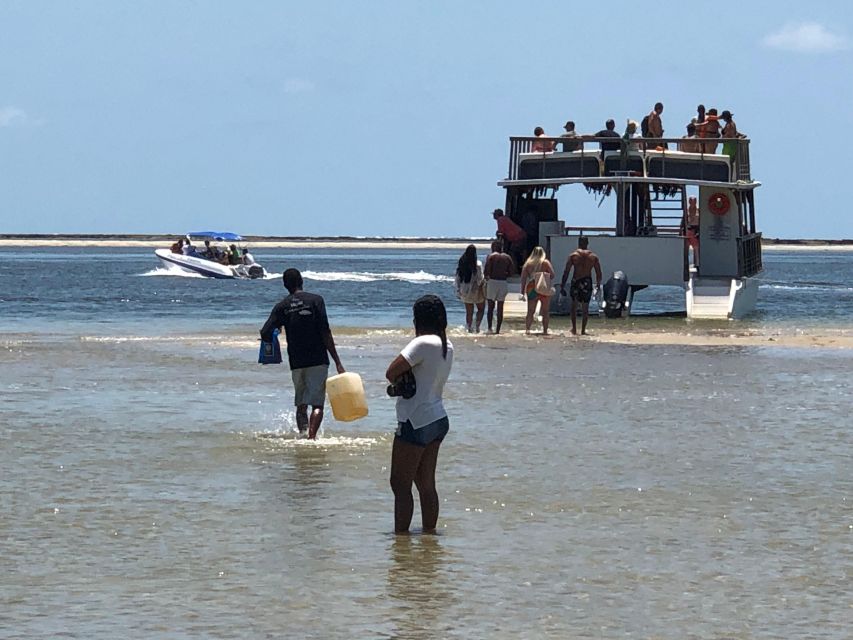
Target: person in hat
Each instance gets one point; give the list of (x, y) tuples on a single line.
[(573, 144), (730, 133)]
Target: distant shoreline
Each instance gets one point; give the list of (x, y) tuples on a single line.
[(329, 242)]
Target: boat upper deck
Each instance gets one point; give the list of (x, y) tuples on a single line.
[(643, 160)]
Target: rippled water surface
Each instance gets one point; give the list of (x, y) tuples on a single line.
[(153, 487)]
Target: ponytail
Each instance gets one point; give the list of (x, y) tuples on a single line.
[(431, 318)]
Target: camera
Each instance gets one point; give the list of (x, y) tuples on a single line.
[(404, 386)]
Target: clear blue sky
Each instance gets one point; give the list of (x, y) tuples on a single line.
[(392, 118)]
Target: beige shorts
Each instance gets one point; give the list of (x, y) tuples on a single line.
[(309, 385), (496, 290)]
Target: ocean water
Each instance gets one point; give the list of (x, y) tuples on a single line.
[(153, 486)]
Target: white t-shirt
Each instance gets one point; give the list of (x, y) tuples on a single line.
[(430, 369)]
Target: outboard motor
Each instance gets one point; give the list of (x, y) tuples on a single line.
[(614, 298)]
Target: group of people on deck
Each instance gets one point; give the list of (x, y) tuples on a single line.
[(482, 287), (228, 256), (705, 125)]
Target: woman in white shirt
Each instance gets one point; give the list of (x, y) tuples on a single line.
[(421, 419)]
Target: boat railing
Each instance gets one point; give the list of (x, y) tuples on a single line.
[(749, 255), (739, 160)]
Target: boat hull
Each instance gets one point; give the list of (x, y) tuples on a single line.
[(207, 268)]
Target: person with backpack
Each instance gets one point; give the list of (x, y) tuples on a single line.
[(652, 125)]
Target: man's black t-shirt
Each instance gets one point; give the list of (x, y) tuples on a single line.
[(608, 146), (303, 316)]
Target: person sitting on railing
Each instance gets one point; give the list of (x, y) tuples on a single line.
[(608, 132), (710, 128), (690, 145), (572, 144), (545, 145)]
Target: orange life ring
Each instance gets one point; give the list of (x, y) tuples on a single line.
[(719, 204)]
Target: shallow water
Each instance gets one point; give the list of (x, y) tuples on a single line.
[(153, 487)]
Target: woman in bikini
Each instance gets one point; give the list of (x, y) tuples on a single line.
[(535, 269)]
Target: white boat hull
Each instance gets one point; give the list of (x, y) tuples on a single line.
[(720, 298), (207, 268)]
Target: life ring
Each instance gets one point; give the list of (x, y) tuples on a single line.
[(719, 204)]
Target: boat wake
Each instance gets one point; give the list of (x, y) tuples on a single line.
[(164, 271), (413, 277)]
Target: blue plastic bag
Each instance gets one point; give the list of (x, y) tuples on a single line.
[(270, 352)]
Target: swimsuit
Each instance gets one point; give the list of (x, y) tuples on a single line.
[(581, 289)]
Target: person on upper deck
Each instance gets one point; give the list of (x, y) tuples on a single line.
[(700, 114), (710, 128), (570, 145), (544, 145), (730, 132), (630, 134), (655, 122), (689, 144), (609, 132)]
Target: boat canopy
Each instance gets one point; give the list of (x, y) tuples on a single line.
[(221, 236)]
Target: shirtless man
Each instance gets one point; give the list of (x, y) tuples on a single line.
[(655, 123), (499, 267), (583, 261)]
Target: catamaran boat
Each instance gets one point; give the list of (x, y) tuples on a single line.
[(206, 264), (712, 249)]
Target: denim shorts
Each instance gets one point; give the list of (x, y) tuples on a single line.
[(425, 435)]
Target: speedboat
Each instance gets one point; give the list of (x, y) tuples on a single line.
[(207, 248)]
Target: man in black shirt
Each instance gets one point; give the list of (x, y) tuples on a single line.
[(309, 343), (609, 132)]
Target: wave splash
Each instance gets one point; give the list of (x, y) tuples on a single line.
[(413, 277)]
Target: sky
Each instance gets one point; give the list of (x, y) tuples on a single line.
[(392, 118)]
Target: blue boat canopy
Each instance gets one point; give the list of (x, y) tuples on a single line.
[(222, 236)]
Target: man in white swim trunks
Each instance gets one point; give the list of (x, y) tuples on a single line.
[(499, 266)]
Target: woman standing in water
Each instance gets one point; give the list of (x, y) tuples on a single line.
[(421, 419), (536, 277), (469, 287)]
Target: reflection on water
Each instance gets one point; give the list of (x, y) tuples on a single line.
[(420, 587)]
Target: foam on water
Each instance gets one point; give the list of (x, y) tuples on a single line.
[(369, 276), (288, 439), (165, 271)]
